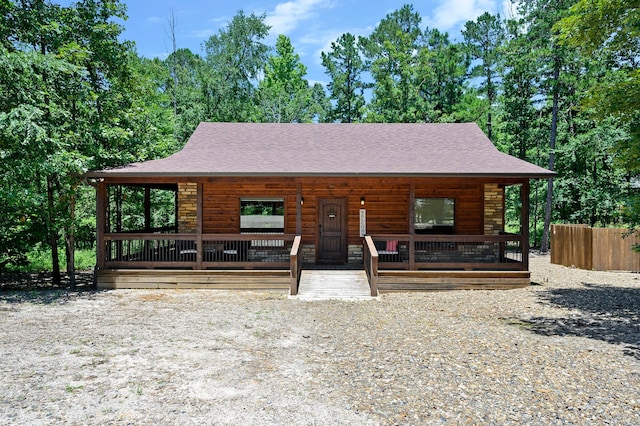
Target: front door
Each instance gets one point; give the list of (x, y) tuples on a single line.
[(332, 228)]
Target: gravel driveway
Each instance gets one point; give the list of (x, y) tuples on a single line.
[(563, 351)]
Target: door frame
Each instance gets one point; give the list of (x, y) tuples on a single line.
[(343, 224)]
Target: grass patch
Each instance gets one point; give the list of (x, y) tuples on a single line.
[(73, 389), (39, 260)]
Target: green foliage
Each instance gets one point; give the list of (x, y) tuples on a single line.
[(284, 94), (443, 72), (610, 30), (183, 77), (558, 87), (72, 97), (38, 259), (485, 39), (235, 58), (392, 58), (345, 67)]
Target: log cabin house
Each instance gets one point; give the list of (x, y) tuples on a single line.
[(248, 205)]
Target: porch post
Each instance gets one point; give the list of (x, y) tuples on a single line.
[(147, 217), (412, 231), (147, 209), (299, 209), (524, 221), (101, 215), (199, 216), (175, 209)]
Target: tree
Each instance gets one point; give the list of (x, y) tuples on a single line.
[(236, 56), (518, 115), (592, 188), (30, 147), (187, 82), (345, 67), (521, 125), (392, 57), (320, 106), (284, 93), (541, 15), (72, 108), (610, 29), (484, 38), (442, 73)]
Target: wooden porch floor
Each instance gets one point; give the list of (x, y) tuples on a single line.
[(331, 284)]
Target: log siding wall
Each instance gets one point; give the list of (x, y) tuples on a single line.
[(479, 202), (386, 202)]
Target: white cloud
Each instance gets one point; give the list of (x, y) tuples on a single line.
[(323, 39), (287, 16), (203, 34), (453, 13), (510, 9)]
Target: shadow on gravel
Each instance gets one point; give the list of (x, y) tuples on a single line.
[(44, 297), (610, 314), (38, 288)]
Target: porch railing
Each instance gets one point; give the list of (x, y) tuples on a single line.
[(131, 250), (415, 252), (398, 251)]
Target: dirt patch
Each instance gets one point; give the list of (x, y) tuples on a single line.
[(547, 354)]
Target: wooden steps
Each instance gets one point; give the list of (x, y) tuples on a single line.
[(340, 285)]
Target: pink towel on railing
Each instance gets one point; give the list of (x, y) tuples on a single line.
[(392, 245)]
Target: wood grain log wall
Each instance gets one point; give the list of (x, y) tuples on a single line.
[(386, 202)]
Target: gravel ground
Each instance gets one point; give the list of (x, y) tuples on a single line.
[(564, 351)]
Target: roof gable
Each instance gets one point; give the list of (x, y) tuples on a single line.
[(269, 149)]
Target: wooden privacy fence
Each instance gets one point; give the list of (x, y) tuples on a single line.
[(599, 249)]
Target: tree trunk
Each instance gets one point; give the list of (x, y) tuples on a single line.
[(544, 244), (70, 241), (53, 235)]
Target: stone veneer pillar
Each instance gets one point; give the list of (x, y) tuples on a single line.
[(187, 208), (493, 209)]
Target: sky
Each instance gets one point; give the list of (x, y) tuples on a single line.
[(310, 24)]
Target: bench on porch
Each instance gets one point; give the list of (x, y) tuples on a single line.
[(388, 251)]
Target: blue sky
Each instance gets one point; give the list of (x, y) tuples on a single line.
[(310, 24)]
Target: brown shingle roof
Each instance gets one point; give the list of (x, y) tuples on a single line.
[(254, 149)]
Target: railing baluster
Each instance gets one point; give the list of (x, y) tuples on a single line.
[(155, 250), (452, 251)]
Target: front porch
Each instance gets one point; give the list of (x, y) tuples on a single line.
[(259, 261), (417, 206)]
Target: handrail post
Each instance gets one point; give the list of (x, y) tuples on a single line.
[(371, 264), (295, 265)]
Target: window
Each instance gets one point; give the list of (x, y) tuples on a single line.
[(434, 215), (262, 215)]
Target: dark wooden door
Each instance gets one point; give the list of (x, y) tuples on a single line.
[(332, 224)]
